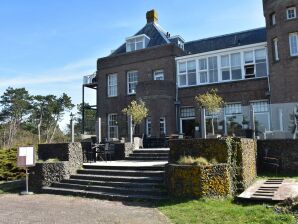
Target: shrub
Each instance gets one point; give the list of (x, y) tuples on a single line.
[(8, 165), (189, 160)]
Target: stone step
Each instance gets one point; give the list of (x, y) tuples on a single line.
[(151, 152), (149, 155), (147, 158), (111, 189), (117, 178), (135, 168), (114, 184), (146, 173), (101, 195)]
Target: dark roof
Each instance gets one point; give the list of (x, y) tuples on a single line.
[(153, 31), (226, 41)]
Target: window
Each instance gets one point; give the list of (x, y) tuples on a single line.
[(132, 81), (187, 112), (137, 42), (225, 67), (182, 74), (158, 75), (112, 85), (148, 126), (112, 126), (162, 126), (291, 13), (275, 49), (236, 66), (273, 19), (249, 66), (233, 108), (191, 73), (213, 71), (261, 112), (261, 63), (233, 119), (293, 39), (203, 70)]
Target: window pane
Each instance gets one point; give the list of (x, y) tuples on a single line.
[(187, 112), (213, 72), (234, 108), (191, 70), (203, 77), (260, 55), (225, 61), (132, 79), (248, 57), (261, 69), (236, 73), (191, 66), (182, 67), (235, 60), (203, 64), (225, 74), (182, 80), (139, 45), (294, 44)]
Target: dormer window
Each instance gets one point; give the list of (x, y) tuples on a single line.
[(137, 42)]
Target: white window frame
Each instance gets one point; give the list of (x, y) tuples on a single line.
[(135, 40), (162, 121), (203, 57), (263, 112), (275, 47), (158, 75), (295, 35), (148, 126), (131, 91), (289, 13), (112, 118), (112, 85), (227, 115)]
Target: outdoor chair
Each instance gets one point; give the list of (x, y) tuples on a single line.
[(271, 160)]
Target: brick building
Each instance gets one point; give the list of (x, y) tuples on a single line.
[(254, 67)]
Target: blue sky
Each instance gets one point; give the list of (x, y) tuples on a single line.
[(47, 46)]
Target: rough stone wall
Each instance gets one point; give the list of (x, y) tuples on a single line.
[(285, 149), (45, 173), (198, 181)]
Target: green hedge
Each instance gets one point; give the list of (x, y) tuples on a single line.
[(8, 165)]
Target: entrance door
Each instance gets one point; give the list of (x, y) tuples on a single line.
[(188, 127)]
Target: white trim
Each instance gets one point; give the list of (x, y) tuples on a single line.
[(295, 13), (158, 73), (262, 44), (127, 81), (137, 36), (115, 126), (295, 34), (110, 86), (176, 36)]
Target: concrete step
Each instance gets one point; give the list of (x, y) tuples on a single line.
[(147, 158), (149, 154), (151, 151), (101, 195), (146, 173), (114, 184), (111, 189), (135, 168), (117, 178)]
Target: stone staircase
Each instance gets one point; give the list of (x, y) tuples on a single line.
[(161, 154), (130, 179)]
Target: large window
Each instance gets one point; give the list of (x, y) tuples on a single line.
[(225, 67), (261, 112), (255, 63), (236, 66), (231, 71), (182, 74), (148, 126), (112, 85), (213, 70), (203, 70), (158, 75), (162, 126), (132, 81), (291, 13), (137, 42), (187, 112), (293, 39), (233, 119), (112, 126), (187, 73)]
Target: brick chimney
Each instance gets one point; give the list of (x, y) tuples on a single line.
[(151, 16)]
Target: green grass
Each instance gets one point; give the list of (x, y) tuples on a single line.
[(12, 186), (224, 211), (270, 175)]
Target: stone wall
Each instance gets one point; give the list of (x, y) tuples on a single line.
[(238, 153), (198, 181), (44, 173), (284, 149)]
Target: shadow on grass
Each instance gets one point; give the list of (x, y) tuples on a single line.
[(15, 186), (264, 175)]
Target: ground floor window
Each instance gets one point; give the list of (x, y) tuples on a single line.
[(262, 116), (148, 126), (112, 126), (233, 117), (162, 126)]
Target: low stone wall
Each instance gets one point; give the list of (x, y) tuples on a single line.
[(45, 173), (198, 181), (238, 153), (284, 149)]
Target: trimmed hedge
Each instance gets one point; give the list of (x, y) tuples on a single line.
[(238, 153), (198, 181), (8, 165)]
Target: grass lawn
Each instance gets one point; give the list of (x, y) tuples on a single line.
[(207, 211)]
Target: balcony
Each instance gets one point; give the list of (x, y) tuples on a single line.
[(90, 80)]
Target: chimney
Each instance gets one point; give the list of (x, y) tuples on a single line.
[(151, 16)]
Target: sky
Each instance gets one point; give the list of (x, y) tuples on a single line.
[(47, 46)]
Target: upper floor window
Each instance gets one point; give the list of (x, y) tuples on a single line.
[(255, 63), (293, 39), (132, 81), (291, 13), (213, 70), (158, 75), (112, 85), (275, 49), (273, 19), (187, 73), (137, 42)]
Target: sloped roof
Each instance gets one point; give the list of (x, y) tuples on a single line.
[(156, 34), (226, 41)]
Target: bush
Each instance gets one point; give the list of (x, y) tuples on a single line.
[(8, 165), (189, 160)]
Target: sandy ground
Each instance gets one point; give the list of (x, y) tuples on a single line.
[(52, 209)]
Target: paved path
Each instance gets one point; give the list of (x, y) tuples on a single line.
[(52, 209)]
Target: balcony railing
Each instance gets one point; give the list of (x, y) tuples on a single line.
[(90, 79)]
